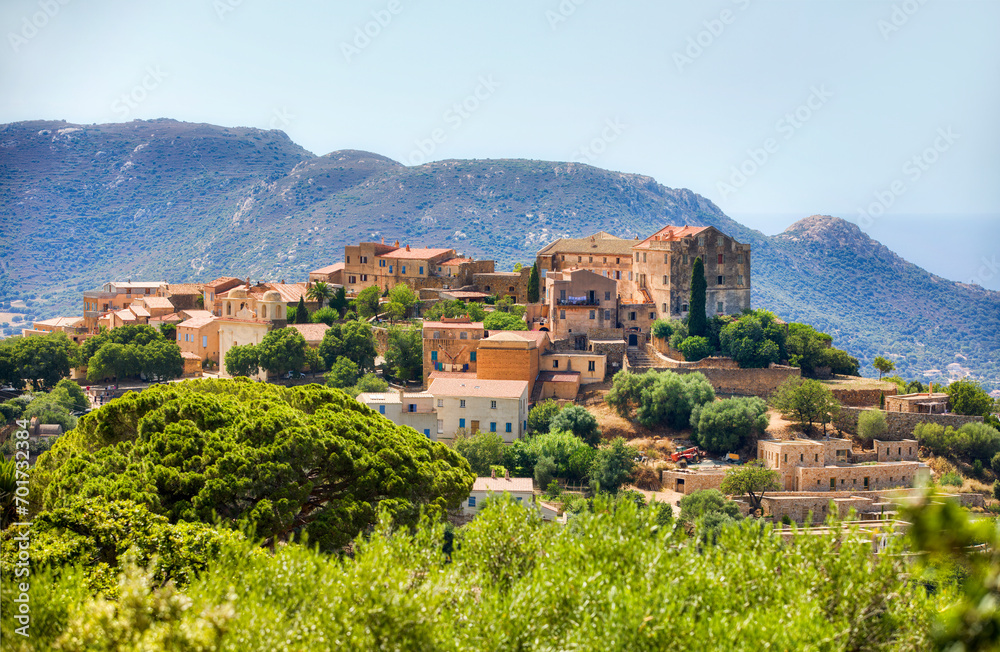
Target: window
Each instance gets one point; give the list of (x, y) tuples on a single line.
[(427, 433), (421, 270), (833, 483), (381, 409), (666, 259), (593, 314), (801, 456), (461, 423), (463, 335), (701, 241), (437, 335), (607, 296), (630, 276), (390, 269), (817, 457), (786, 458), (562, 295), (685, 259), (605, 260), (720, 280), (493, 426), (472, 356), (592, 365), (509, 428), (493, 405), (739, 258), (204, 341), (434, 356), (721, 307), (900, 450), (412, 407), (866, 484), (722, 259), (440, 426), (664, 307), (402, 269), (684, 307), (472, 501), (348, 259), (440, 402), (579, 259), (518, 498), (607, 315), (666, 279), (644, 256), (652, 315), (739, 279), (461, 403), (618, 261), (555, 364), (562, 314), (591, 259), (618, 275)]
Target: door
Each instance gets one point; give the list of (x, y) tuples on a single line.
[(474, 427), (633, 339)]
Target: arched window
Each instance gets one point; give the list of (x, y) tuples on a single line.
[(263, 312), (229, 308)]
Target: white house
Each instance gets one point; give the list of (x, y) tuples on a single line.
[(522, 490), (415, 410), (499, 406)]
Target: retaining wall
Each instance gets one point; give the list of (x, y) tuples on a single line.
[(745, 382), (901, 424), (861, 398)]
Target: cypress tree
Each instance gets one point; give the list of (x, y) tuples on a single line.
[(697, 320), (301, 312), (533, 282)]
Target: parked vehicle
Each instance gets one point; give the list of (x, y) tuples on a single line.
[(691, 455)]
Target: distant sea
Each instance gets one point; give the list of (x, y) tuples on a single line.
[(963, 248)]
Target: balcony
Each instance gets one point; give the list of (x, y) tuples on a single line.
[(578, 301)]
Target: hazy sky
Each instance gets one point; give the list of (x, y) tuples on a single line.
[(878, 112)]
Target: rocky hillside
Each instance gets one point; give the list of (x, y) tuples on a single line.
[(81, 204)]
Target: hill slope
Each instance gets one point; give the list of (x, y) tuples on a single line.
[(168, 200)]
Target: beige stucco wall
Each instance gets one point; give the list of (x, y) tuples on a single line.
[(233, 333), (479, 409)]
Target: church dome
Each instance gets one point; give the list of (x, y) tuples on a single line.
[(272, 296), (238, 293)]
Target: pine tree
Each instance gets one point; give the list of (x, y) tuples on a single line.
[(533, 282), (301, 312), (697, 319)]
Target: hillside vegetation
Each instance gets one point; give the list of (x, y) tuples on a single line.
[(165, 200)]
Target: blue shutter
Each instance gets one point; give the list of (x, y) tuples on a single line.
[(461, 423)]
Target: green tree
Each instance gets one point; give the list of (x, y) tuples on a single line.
[(368, 384), (354, 340), (534, 284), (483, 450), (242, 360), (699, 504), (169, 331), (41, 360), (404, 354), (343, 373), (871, 425), (579, 421), (659, 398), (546, 470), (71, 396), (302, 312), (320, 292), (316, 462), (541, 415), (752, 479), (475, 311), (697, 317), (754, 340), (613, 465), (806, 402), (367, 302), (662, 329), (727, 425), (325, 316), (282, 350), (696, 348), (49, 409), (883, 365), (504, 321), (139, 335), (403, 295), (339, 301), (968, 397)]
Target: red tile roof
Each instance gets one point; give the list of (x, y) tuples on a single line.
[(500, 485), (416, 254), (330, 269), (440, 325), (228, 281), (671, 234), (478, 388), (311, 332), (197, 322), (456, 261)]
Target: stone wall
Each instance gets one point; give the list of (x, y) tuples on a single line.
[(381, 340), (861, 398), (901, 424), (686, 482), (745, 382), (500, 283), (614, 350)]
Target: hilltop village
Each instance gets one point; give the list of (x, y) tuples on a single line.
[(647, 350)]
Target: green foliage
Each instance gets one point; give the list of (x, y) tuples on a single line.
[(662, 329), (282, 350), (810, 349), (504, 321), (354, 340), (157, 358), (339, 300), (696, 348), (977, 468), (367, 302), (699, 504), (169, 331), (8, 487), (299, 313), (883, 365), (570, 454), (872, 425), (325, 315), (41, 360), (50, 409), (995, 465), (727, 425), (612, 466), (534, 284), (952, 478), (320, 292), (343, 373), (71, 396), (404, 355), (545, 470), (806, 402), (967, 397), (697, 317), (369, 383), (140, 335), (754, 340), (483, 450), (752, 479), (579, 421), (242, 360), (659, 398), (285, 461), (403, 296), (996, 489), (973, 441), (541, 415)]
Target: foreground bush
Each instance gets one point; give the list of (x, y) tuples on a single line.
[(971, 442), (617, 577)]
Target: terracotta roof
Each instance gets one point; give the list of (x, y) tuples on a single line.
[(197, 322), (60, 322), (290, 292), (559, 377), (505, 336), (312, 332), (230, 281), (500, 485), (462, 294), (125, 315), (191, 314), (183, 288), (157, 302), (478, 388), (139, 311), (330, 269), (541, 337), (440, 325), (141, 285), (172, 318), (190, 356), (671, 234), (600, 243), (451, 374), (456, 261), (415, 254)]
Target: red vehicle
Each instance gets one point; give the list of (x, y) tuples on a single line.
[(691, 455)]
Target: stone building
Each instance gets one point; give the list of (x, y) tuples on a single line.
[(499, 406), (923, 403), (72, 326), (114, 297), (385, 266), (580, 303), (246, 320), (450, 345), (415, 410), (601, 253), (200, 336)]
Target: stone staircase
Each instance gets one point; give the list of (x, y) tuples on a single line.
[(639, 361)]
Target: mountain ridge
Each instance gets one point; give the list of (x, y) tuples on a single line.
[(92, 202)]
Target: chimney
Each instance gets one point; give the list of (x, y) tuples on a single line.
[(407, 247), (383, 239), (396, 243), (493, 473), (506, 474)]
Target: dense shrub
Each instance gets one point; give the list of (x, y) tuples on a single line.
[(973, 441), (725, 426), (659, 398), (541, 415), (754, 340), (952, 479), (579, 421), (871, 425), (696, 348)]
